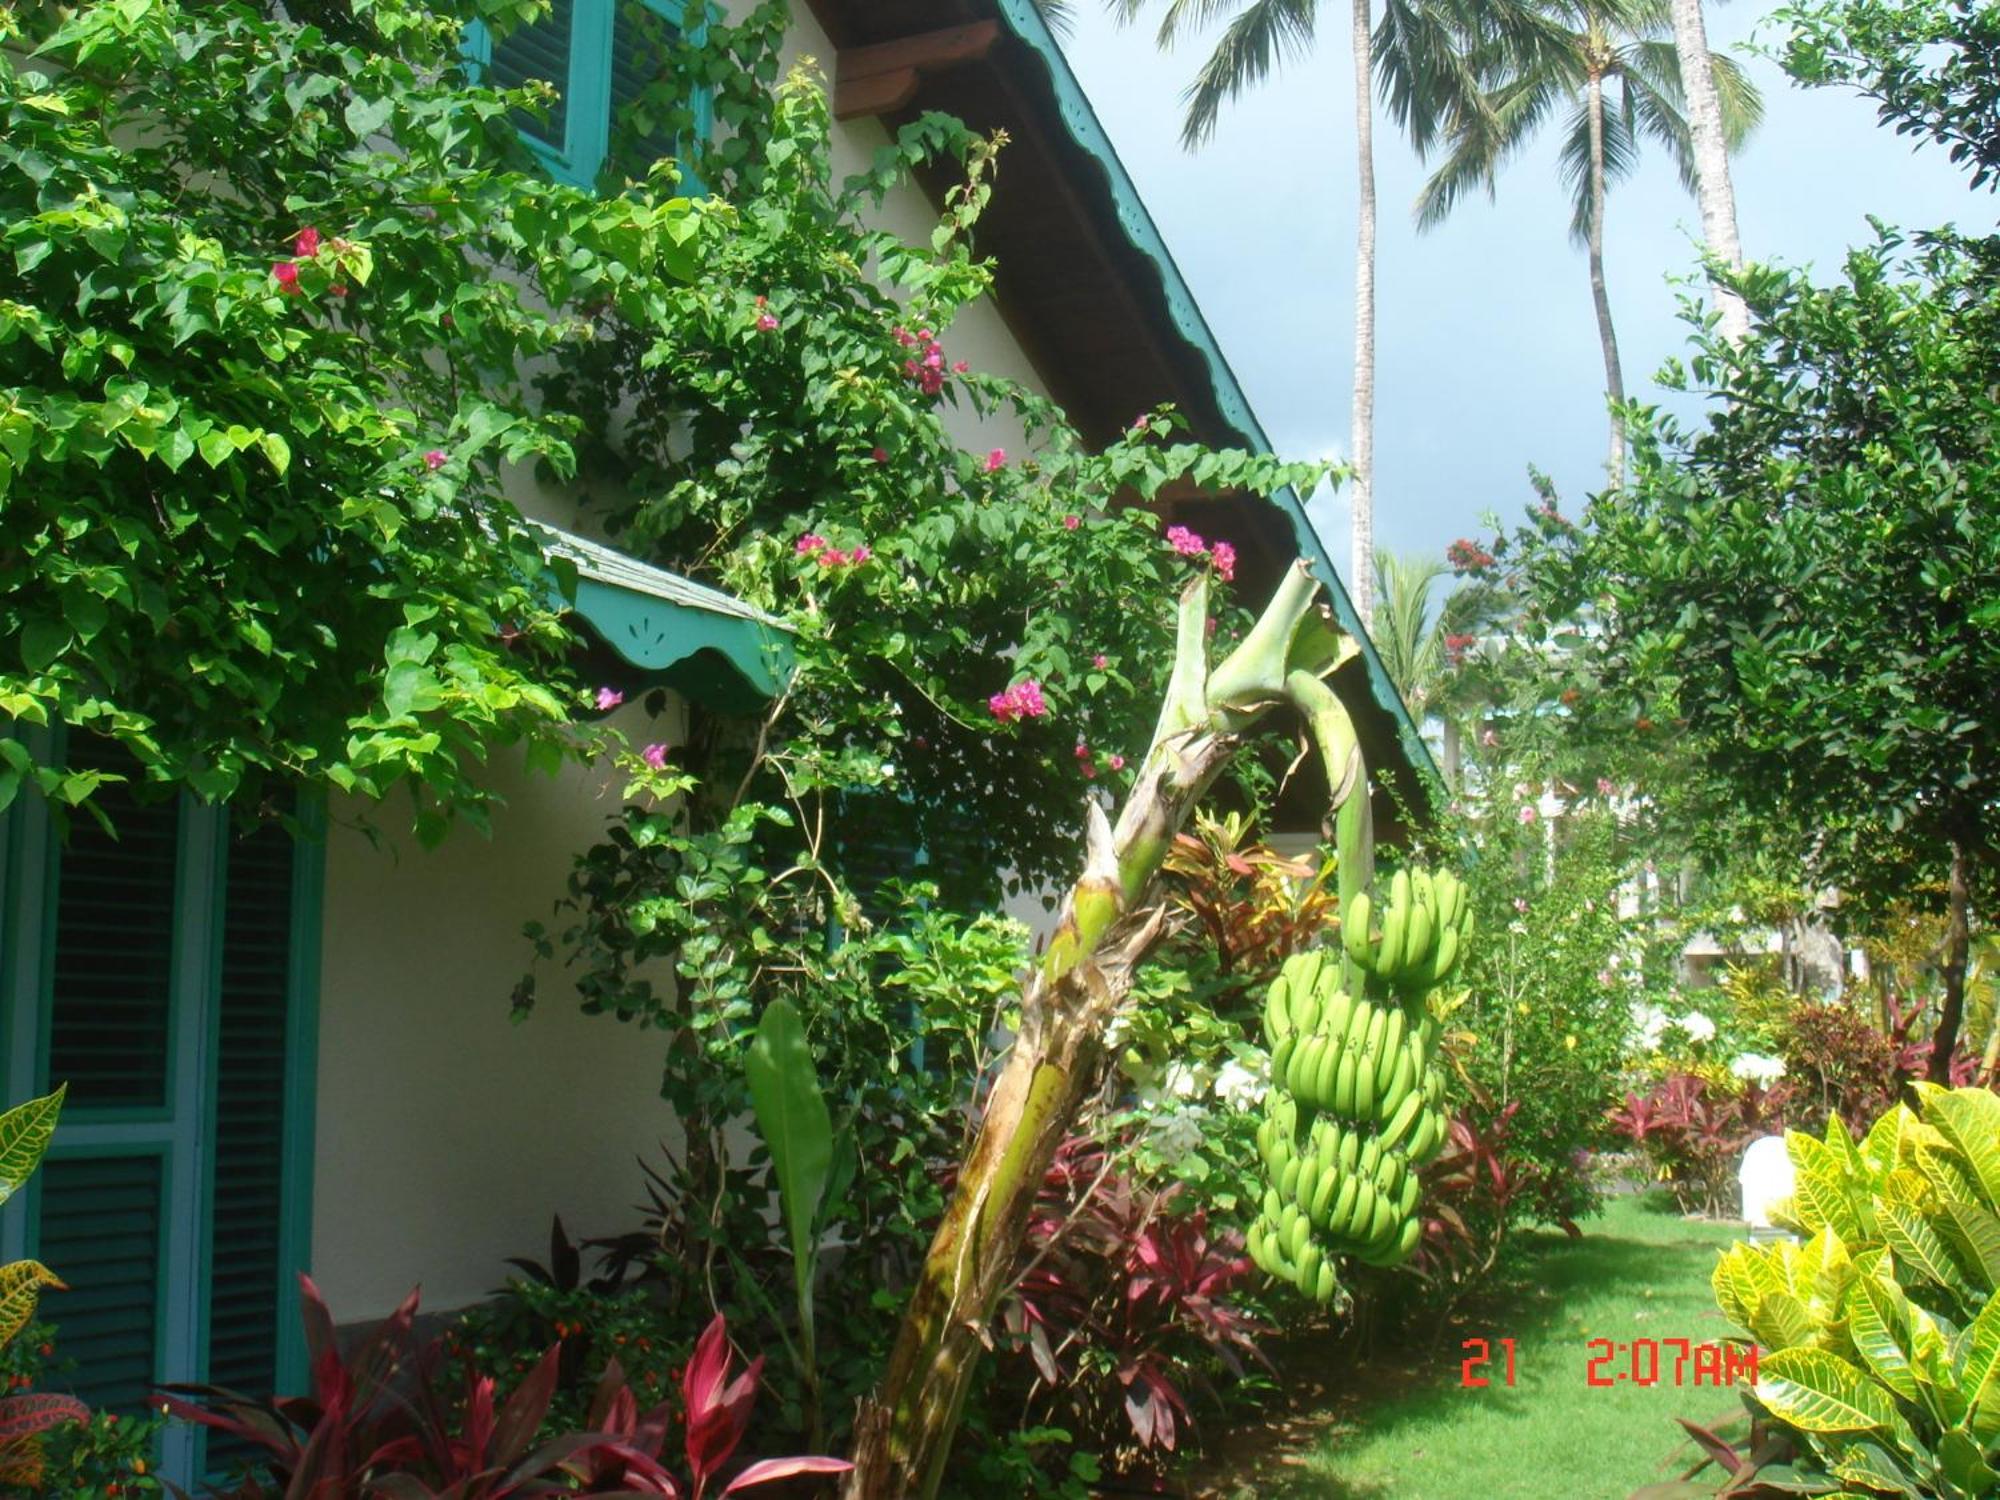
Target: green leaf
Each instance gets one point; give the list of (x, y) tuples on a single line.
[(1974, 1234), (1963, 1463), (24, 1137), (43, 640), (277, 450), (793, 1120), (21, 1284), (1819, 1392), (366, 116), (1969, 1119), (1780, 1321), (1873, 1465), (1878, 1323), (1979, 1378), (1916, 1244)]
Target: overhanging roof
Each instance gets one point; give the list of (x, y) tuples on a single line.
[(703, 643), (1091, 292)]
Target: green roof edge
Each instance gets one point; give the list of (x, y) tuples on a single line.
[(1025, 20)]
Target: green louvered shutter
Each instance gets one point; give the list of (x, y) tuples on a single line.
[(104, 1213), (247, 1276), (540, 51), (639, 38)]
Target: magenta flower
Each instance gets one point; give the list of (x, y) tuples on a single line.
[(833, 557), (1090, 773), (1117, 762), (1527, 814), (1021, 701), (1186, 542), (1070, 523), (608, 698), (861, 554), (1224, 557), (903, 336), (655, 756), (287, 274), (881, 455), (1100, 661), (996, 459), (435, 460), (960, 367), (765, 322), (808, 544), (306, 245), (1082, 750), (1141, 422), (1604, 786)]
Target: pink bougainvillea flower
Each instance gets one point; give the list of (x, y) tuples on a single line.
[(306, 245), (1032, 704), (924, 335), (435, 460), (1604, 786), (1100, 661), (1070, 523), (765, 322), (655, 756), (608, 698), (1090, 773), (1021, 701), (861, 554), (1224, 557), (1117, 762), (1186, 542), (1141, 422), (903, 336), (960, 367), (1001, 706), (997, 459), (1527, 813), (1082, 750), (881, 455), (287, 274), (810, 543), (833, 557)]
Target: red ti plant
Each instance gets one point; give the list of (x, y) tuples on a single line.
[(627, 1451), (1119, 1286), (1695, 1134)]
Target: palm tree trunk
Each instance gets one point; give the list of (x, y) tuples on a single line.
[(1607, 336), (1361, 440), (1711, 159)]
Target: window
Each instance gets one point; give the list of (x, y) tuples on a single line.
[(167, 976), (600, 55)]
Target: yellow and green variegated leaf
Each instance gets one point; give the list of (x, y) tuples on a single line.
[(1979, 1375), (1974, 1236), (1822, 1274), (1916, 1244), (1873, 1465), (1963, 1463), (1735, 1293), (1841, 1144), (1878, 1325), (1780, 1321), (1882, 1146), (1819, 1392), (1822, 1202), (1811, 1154), (1787, 1214), (1931, 1357), (1946, 1172), (24, 1137), (21, 1284), (1970, 1120)]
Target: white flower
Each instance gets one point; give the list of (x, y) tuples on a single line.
[(1755, 1067), (1651, 1023), (1239, 1087), (1182, 1082), (1697, 1026), (1180, 1132)]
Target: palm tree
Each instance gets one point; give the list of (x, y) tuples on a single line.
[(1708, 125), (1616, 80), (1418, 640), (1418, 57)]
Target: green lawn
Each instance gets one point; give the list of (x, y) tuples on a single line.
[(1403, 1427)]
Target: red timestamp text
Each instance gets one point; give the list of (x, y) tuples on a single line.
[(1610, 1362)]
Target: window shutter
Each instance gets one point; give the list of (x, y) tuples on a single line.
[(247, 1274), (639, 37), (102, 1230), (539, 51)]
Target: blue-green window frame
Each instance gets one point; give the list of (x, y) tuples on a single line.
[(29, 864), (579, 157)]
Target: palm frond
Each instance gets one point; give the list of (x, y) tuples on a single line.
[(1621, 159), (1742, 103), (1263, 35), (1483, 142), (1058, 13), (1661, 116), (1409, 640)]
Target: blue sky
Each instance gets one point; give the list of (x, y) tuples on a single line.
[(1487, 348)]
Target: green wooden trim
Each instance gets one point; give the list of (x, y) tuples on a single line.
[(1024, 18), (295, 1225), (727, 661), (22, 952)]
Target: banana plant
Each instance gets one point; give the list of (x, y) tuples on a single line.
[(1110, 919), (792, 1117), (1880, 1335)]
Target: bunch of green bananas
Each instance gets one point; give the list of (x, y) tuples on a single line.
[(1425, 925), (1356, 1101)]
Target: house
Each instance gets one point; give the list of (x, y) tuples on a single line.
[(288, 1055)]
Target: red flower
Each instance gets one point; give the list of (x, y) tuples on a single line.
[(1224, 557), (306, 245), (1070, 523), (435, 460), (287, 274), (997, 459), (881, 455)]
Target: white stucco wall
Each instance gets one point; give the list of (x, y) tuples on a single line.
[(446, 1135)]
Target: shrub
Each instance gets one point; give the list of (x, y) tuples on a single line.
[(1693, 1130), (1880, 1334)]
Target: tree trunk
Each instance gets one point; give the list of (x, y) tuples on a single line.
[(1957, 951), (1711, 159), (1454, 752), (1361, 438), (903, 1437), (1607, 336)]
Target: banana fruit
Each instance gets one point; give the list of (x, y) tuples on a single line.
[(1356, 1105)]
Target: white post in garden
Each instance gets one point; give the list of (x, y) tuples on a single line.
[(1765, 1177)]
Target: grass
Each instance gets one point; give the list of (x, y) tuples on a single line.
[(1403, 1427)]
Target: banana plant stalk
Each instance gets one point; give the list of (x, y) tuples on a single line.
[(1110, 919)]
